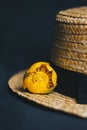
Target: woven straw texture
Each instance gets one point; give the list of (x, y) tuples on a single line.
[(70, 28), (73, 16), (53, 100), (68, 37), (70, 57), (71, 46), (73, 65), (79, 12), (69, 49)]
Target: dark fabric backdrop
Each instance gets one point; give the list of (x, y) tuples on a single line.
[(26, 29)]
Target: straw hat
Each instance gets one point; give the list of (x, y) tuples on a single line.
[(69, 49), (54, 100)]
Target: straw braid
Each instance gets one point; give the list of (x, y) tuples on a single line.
[(68, 37), (73, 55), (53, 100), (70, 46), (70, 64), (73, 16), (79, 12), (70, 28)]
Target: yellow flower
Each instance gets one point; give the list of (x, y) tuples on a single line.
[(40, 78)]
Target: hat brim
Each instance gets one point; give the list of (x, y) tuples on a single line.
[(54, 100)]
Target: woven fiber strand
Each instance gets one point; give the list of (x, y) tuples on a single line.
[(53, 100), (70, 28), (66, 19), (68, 37), (71, 46), (70, 40), (75, 12), (73, 55), (69, 64), (73, 16)]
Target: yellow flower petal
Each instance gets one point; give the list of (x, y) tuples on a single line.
[(40, 78)]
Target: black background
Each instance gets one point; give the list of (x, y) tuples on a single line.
[(26, 29)]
